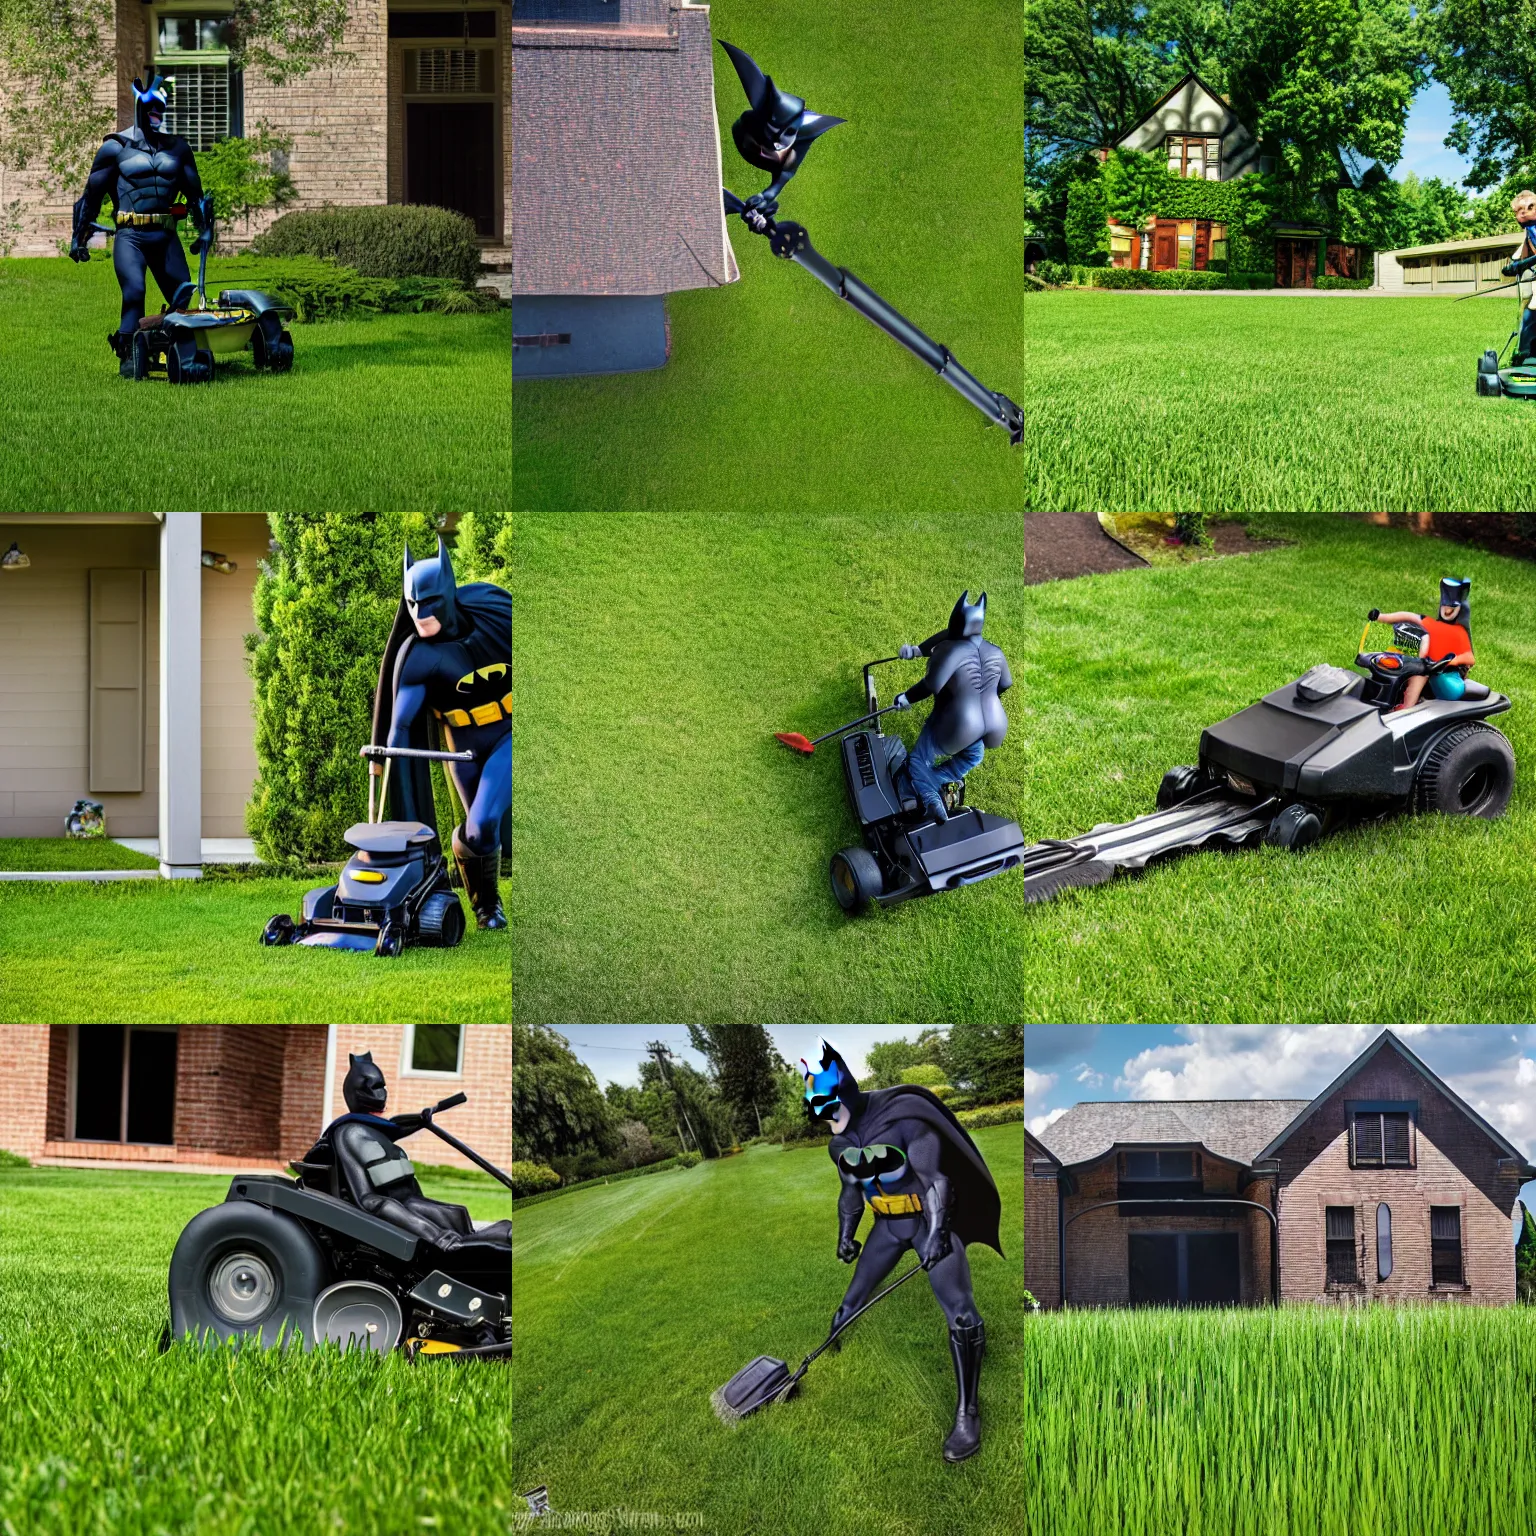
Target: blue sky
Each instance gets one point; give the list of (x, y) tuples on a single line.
[(1491, 1066), (1424, 151)]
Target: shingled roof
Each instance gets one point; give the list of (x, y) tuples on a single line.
[(616, 170), (1232, 1128)]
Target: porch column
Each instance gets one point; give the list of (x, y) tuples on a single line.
[(181, 695)]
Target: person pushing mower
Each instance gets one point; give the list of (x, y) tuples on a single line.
[(145, 172), (964, 678), (1523, 206), (1448, 637)]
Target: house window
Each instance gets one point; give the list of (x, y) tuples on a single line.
[(1342, 1269), (434, 1050), (1381, 1138), (582, 13), (1164, 1167), (465, 24), (1445, 1245), (1383, 1242), (1194, 154), (192, 52), (122, 1083)]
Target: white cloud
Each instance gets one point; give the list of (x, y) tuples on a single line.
[(1085, 1075), (1037, 1084), (1040, 1122)]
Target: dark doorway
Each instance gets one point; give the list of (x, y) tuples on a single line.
[(125, 1084), (1295, 263), (450, 158), (1195, 1269)]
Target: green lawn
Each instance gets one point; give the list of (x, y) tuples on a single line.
[(1309, 1421), (633, 1302), (187, 952), (1158, 402), (1419, 918), (776, 388), (61, 853), (100, 1433), (670, 858), (399, 411)]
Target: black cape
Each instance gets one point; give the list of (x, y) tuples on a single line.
[(975, 1208), (488, 640)]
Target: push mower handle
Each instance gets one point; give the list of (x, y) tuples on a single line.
[(453, 1103), (378, 754)]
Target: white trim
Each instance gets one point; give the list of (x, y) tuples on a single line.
[(408, 1051), (328, 1110), (181, 695)]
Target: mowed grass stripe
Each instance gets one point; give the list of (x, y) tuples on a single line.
[(632, 1303), (1301, 1421)]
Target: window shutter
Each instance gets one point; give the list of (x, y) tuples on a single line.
[(1445, 1223), (1367, 1138), (1395, 1139), (1341, 1223), (117, 682)]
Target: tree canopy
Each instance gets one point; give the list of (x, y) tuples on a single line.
[(557, 1110)]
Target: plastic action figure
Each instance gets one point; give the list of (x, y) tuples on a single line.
[(1448, 639), (901, 1152), (378, 1174), (1523, 206), (449, 659), (964, 678), (144, 172)]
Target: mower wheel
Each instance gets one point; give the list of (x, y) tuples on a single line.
[(280, 357), (141, 356), (242, 1270), (279, 930), (390, 942), (1179, 784), (1295, 828), (442, 920), (1469, 771), (272, 353), (197, 369), (856, 879)]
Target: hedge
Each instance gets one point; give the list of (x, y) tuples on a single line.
[(1335, 283), (532, 1179), (390, 240), (991, 1114), (323, 289), (682, 1160)]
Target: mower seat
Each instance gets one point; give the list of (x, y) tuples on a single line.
[(389, 836), (1476, 691)]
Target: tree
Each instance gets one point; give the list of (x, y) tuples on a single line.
[(635, 1146), (1084, 227), (887, 1060), (987, 1060), (557, 1110), (701, 1117), (1525, 1258), (745, 1066), (1485, 57), (789, 1121)]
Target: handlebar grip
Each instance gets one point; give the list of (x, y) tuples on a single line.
[(458, 1098)]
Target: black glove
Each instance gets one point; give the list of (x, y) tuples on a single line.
[(1374, 614), (1508, 269), (848, 1249), (901, 701), (934, 1246), (407, 1123)]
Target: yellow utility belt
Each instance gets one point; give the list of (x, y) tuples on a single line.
[(481, 714), (147, 220), (895, 1205)]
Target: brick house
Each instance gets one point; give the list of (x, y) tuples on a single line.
[(240, 1095), (617, 169), (415, 113), (1386, 1186), (1042, 1216)]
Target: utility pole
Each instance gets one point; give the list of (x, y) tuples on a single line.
[(657, 1050)]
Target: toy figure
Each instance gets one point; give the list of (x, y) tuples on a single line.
[(901, 1152), (379, 1176), (776, 132), (1447, 638), (1523, 206), (964, 678), (449, 659), (144, 172)]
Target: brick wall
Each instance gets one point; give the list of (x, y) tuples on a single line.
[(23, 1104), (58, 1081), (1456, 1165), (1042, 1273), (302, 1116), (229, 1090)]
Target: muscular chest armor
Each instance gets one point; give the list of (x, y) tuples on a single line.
[(476, 696), (146, 178), (387, 1166), (880, 1169)]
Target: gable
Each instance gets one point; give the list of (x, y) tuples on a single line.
[(1190, 107)]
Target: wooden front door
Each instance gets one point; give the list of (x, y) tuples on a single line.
[(1295, 263), (1202, 244), (450, 158), (1165, 245)]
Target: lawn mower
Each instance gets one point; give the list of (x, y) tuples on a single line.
[(393, 891), (182, 342), (295, 1259), (907, 853), (1326, 750), (1518, 380)]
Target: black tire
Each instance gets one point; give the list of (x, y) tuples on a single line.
[(1469, 771), (1179, 784), (279, 930), (390, 942), (441, 922), (1296, 827), (280, 357), (856, 879), (241, 1270), (141, 357)]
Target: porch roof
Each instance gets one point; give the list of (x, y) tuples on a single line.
[(1236, 1129)]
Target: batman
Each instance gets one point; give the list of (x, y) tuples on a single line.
[(776, 131), (965, 676), (447, 668), (362, 1149), (146, 172), (904, 1155)]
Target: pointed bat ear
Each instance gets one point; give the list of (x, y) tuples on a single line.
[(753, 81), (138, 86), (981, 602), (406, 566), (445, 561), (351, 1059), (814, 124)]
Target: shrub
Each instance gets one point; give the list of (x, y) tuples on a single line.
[(1087, 233), (323, 289), (1190, 527), (1326, 282), (1054, 272), (245, 175), (991, 1114), (684, 1160), (1030, 1304), (1132, 277), (532, 1179), (922, 1074), (394, 240)]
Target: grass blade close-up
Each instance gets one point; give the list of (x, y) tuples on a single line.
[(1303, 1421), (632, 1303), (1413, 918), (100, 1433)]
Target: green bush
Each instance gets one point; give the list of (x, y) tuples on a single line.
[(241, 177), (1085, 229), (992, 1114), (532, 1179), (683, 1160), (13, 1160), (1343, 282), (922, 1074), (1055, 272), (1131, 277), (320, 289), (1191, 527), (393, 240)]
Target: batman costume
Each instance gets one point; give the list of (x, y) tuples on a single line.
[(144, 172), (362, 1148), (448, 664), (901, 1152), (965, 675)]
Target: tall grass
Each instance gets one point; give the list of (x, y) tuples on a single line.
[(1305, 1420)]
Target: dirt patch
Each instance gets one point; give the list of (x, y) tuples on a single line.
[(1061, 545), (1233, 539)]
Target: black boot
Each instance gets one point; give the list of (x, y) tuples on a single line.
[(121, 343), (479, 873), (837, 1343), (966, 1347)]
